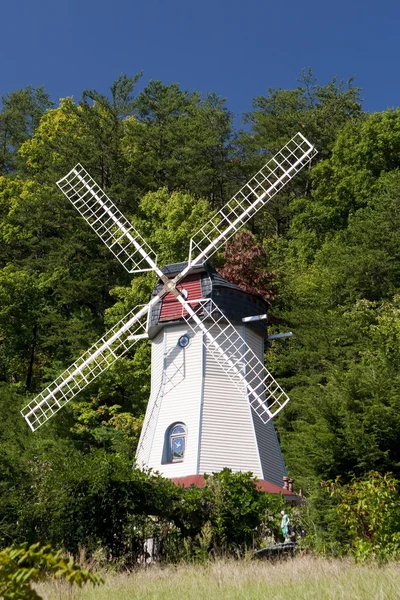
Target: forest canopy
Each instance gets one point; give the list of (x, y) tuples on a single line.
[(325, 253)]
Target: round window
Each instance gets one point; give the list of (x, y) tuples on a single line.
[(184, 341)]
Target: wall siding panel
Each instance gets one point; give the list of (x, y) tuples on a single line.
[(223, 430), (272, 463), (181, 400), (150, 420), (227, 438)]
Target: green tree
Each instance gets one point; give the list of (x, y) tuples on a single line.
[(318, 112), (337, 275), (20, 114), (370, 509), (169, 220), (342, 372), (89, 132), (54, 280), (15, 444), (179, 140), (363, 153)]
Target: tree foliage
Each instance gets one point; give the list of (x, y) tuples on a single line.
[(370, 509), (324, 254), (24, 565), (179, 140), (20, 114), (246, 266)]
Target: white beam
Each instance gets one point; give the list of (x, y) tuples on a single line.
[(277, 336), (255, 318)]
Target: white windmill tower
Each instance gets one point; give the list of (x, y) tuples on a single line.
[(212, 399)]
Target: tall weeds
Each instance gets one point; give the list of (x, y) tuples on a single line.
[(302, 578)]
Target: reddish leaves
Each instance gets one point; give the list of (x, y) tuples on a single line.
[(246, 267)]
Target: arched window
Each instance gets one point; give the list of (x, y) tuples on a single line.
[(177, 442)]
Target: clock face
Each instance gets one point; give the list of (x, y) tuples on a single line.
[(184, 341)]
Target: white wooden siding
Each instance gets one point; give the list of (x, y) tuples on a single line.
[(181, 400), (227, 438), (273, 466), (156, 387), (223, 430)]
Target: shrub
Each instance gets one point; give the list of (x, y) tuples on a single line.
[(24, 565), (370, 509)]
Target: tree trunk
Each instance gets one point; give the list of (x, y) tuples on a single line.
[(31, 358)]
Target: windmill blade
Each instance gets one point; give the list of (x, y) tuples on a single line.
[(114, 344), (148, 429), (251, 198), (236, 359), (118, 234)]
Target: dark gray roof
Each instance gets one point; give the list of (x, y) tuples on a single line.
[(175, 268), (218, 280)]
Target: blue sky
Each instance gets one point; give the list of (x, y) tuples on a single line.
[(236, 48)]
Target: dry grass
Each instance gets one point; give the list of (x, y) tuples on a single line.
[(301, 578)]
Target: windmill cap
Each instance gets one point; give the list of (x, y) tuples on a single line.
[(175, 268), (205, 282)]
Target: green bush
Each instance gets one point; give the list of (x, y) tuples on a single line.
[(370, 510), (227, 516), (24, 565)]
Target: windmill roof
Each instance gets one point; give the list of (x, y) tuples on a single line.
[(234, 302), (175, 268), (217, 279)]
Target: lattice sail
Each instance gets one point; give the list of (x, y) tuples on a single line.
[(251, 198), (144, 446), (114, 344), (237, 360), (118, 234), (229, 349)]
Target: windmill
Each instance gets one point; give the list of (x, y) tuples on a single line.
[(199, 317)]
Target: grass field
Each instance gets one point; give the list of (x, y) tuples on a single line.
[(294, 579)]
